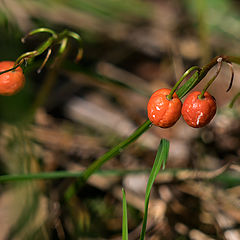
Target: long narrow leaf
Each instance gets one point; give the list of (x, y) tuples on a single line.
[(124, 218), (160, 160)]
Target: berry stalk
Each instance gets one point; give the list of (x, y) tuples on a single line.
[(219, 60), (194, 68)]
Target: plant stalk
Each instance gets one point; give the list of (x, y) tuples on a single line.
[(108, 155), (169, 97)]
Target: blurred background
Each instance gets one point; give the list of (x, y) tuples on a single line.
[(68, 116)]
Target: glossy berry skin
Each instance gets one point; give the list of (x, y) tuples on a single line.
[(162, 112), (197, 112), (10, 82)]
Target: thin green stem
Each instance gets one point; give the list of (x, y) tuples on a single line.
[(108, 155), (48, 43), (171, 173), (67, 174), (79, 40), (25, 56), (194, 68), (196, 78), (63, 45), (116, 150), (37, 52), (124, 217), (55, 38), (75, 36), (45, 60), (219, 60), (232, 76), (40, 30), (49, 80)]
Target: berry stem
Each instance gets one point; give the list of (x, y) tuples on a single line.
[(10, 69), (24, 56), (79, 40), (37, 52), (196, 78), (219, 60), (40, 30), (45, 60), (194, 68), (232, 76), (55, 38)]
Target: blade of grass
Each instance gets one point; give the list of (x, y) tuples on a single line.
[(160, 160), (124, 218), (225, 177), (104, 158), (67, 174)]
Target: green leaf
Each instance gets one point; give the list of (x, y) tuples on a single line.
[(124, 218), (160, 160)]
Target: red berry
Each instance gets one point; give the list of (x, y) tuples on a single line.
[(10, 82), (198, 112), (163, 112)]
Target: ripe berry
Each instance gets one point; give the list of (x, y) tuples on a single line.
[(198, 112), (163, 112), (10, 82)]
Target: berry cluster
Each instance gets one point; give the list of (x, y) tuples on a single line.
[(164, 111)]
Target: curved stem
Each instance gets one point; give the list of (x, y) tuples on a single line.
[(61, 37), (79, 55), (63, 46), (169, 97), (25, 56), (219, 60), (232, 76), (80, 50), (196, 78), (37, 52), (45, 60), (49, 81), (75, 36), (40, 30)]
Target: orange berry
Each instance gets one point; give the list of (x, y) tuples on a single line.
[(163, 112), (198, 112), (10, 82)]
